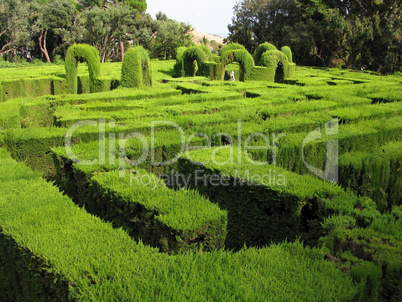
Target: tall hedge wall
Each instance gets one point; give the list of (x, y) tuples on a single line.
[(136, 69), (76, 53)]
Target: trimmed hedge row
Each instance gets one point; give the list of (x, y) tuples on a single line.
[(52, 250), (361, 136), (174, 221), (376, 175), (265, 203), (49, 86), (263, 207)]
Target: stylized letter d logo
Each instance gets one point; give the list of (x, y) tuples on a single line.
[(331, 172)]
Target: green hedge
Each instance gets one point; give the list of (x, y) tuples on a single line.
[(374, 174), (174, 221), (136, 69), (265, 203), (244, 59), (230, 47), (191, 55), (288, 52), (76, 53), (260, 50), (278, 62), (357, 237), (372, 255), (361, 136), (52, 250)]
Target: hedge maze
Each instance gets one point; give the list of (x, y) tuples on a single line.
[(267, 63), (82, 218)]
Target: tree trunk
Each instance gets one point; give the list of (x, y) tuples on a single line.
[(121, 43), (42, 45)]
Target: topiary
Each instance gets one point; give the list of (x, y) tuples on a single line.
[(136, 70), (193, 53), (231, 46), (260, 50), (288, 52), (78, 52), (244, 59), (278, 62), (207, 51), (179, 65)]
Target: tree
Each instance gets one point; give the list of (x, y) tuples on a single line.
[(109, 27), (138, 5), (170, 35), (14, 27), (54, 22), (323, 32)]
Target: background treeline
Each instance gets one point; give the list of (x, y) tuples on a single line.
[(44, 29), (349, 33)]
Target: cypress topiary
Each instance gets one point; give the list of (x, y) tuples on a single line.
[(260, 50), (278, 62), (136, 70), (244, 59), (288, 52), (79, 52), (231, 46)]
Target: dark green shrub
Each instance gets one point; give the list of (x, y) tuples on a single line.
[(136, 70), (76, 53), (231, 46), (260, 50), (288, 52), (244, 59)]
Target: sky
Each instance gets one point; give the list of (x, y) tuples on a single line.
[(210, 16)]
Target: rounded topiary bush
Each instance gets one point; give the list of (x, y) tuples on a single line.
[(244, 59), (193, 53), (278, 63), (136, 69), (288, 52), (80, 52), (231, 46), (260, 50)]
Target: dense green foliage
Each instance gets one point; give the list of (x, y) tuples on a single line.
[(355, 34), (260, 50), (76, 53), (244, 59), (198, 60), (51, 247), (136, 70), (231, 46), (278, 62), (43, 30)]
